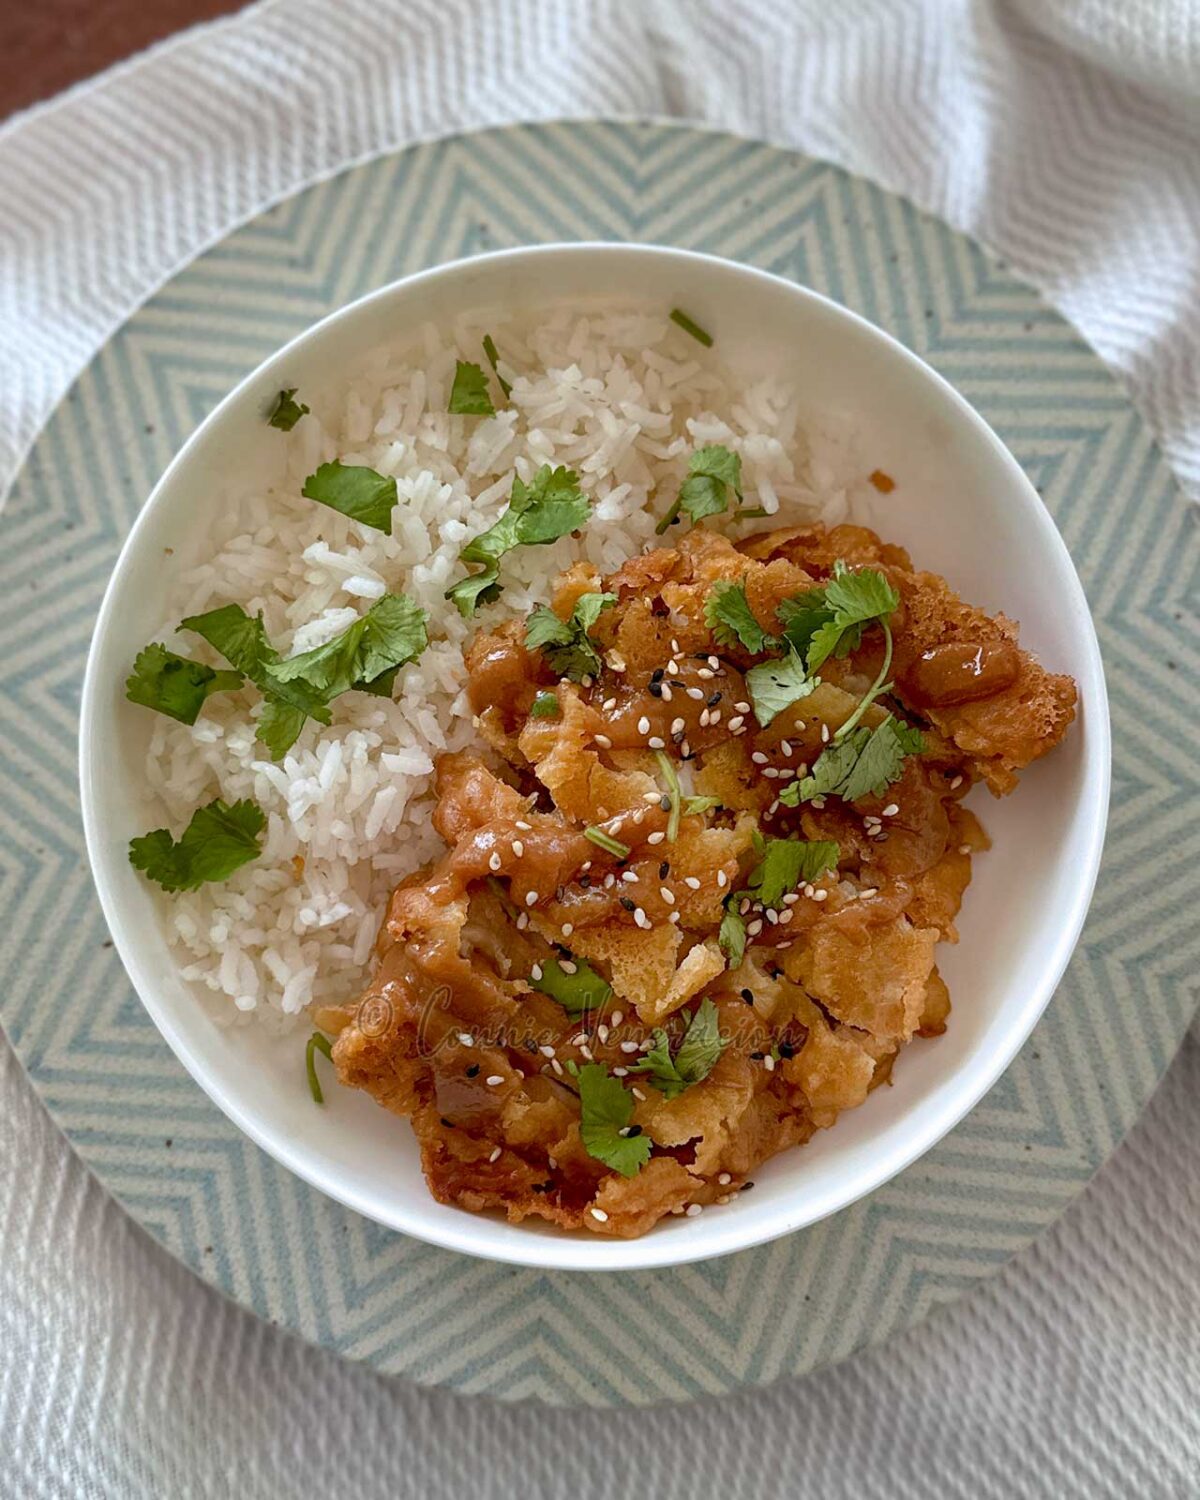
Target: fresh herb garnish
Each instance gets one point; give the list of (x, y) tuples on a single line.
[(469, 395), (355, 491), (699, 334), (695, 1058), (732, 933), (699, 804), (545, 706), (566, 644), (674, 792), (287, 411), (605, 1111), (712, 473), (783, 864), (175, 685), (606, 842), (489, 348), (549, 507), (242, 641), (220, 838), (390, 634), (316, 1043), (776, 685), (728, 615), (866, 761), (581, 991)]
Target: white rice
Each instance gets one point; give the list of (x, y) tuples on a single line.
[(621, 396)]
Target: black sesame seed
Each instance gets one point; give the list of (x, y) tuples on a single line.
[(714, 700), (677, 737), (530, 1046), (628, 904), (676, 682), (664, 869), (746, 1186), (473, 1070), (658, 674), (758, 1056), (665, 802), (655, 689), (446, 1123), (748, 997), (585, 882), (632, 1131), (786, 1050)]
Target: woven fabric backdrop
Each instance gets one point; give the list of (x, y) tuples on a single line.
[(1072, 1372)]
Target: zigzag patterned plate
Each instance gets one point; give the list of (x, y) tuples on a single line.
[(259, 1234)]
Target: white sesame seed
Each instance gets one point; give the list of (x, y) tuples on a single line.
[(643, 725), (722, 879), (704, 718), (557, 1066), (466, 1038), (956, 783), (629, 1047), (673, 916), (617, 1017), (651, 797), (891, 810), (655, 838), (692, 882), (629, 877), (742, 708), (736, 722), (495, 1156), (579, 1038), (518, 848), (585, 681), (636, 1092), (602, 1033), (546, 1051), (667, 694), (786, 916), (552, 1162), (818, 803), (531, 898), (678, 726), (567, 966), (494, 861), (640, 917), (714, 716), (820, 895), (755, 927), (675, 646), (870, 890), (724, 1198), (522, 922), (536, 972), (608, 705), (773, 809), (656, 742), (620, 1072), (493, 1079), (685, 749), (523, 826), (714, 662), (568, 928), (609, 881), (769, 1063), (600, 1215), (772, 916), (771, 773), (724, 1179), (603, 741), (585, 866), (706, 673), (759, 758), (824, 734), (692, 1210), (791, 898), (667, 894), (696, 693), (673, 666), (585, 1052), (964, 848), (785, 746)]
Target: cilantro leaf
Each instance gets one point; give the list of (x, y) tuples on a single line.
[(695, 1059), (732, 934), (390, 634), (728, 615), (693, 805), (866, 762), (579, 992), (786, 863), (853, 600), (219, 839), (605, 1110), (549, 507), (776, 685), (489, 348), (566, 644), (802, 616), (287, 411), (242, 641), (175, 685), (355, 491), (469, 394), (544, 706), (712, 472)]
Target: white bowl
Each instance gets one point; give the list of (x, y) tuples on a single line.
[(963, 507)]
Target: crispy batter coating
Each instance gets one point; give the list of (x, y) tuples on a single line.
[(454, 1032)]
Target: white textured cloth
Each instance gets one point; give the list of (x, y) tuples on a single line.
[(1064, 135)]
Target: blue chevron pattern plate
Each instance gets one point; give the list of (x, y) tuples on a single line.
[(244, 1223)]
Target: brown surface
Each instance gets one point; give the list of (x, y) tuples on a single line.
[(47, 45)]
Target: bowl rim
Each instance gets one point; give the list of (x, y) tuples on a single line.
[(569, 1253)]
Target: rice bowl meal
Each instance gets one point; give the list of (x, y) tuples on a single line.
[(556, 751)]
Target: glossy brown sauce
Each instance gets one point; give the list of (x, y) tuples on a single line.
[(960, 673)]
